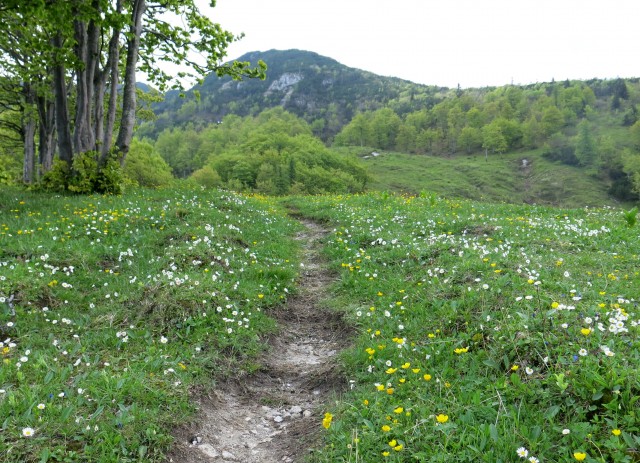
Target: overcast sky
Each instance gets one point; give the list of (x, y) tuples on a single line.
[(473, 43)]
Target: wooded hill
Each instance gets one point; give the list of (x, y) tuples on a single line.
[(590, 125), (318, 89)]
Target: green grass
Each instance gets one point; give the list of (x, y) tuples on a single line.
[(498, 178), (113, 308), (484, 330), (481, 329)]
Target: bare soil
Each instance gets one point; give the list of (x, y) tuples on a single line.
[(275, 415)]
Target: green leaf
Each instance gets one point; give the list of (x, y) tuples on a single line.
[(97, 413), (628, 438), (66, 413), (493, 432), (368, 424), (536, 431), (44, 455), (492, 364), (48, 377), (552, 412)]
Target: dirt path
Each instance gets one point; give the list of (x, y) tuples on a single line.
[(275, 415)]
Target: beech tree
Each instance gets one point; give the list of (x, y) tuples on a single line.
[(81, 58), (585, 145)]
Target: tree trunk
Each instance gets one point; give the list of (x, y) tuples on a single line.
[(46, 133), (127, 123), (114, 72), (111, 71), (65, 147), (86, 50), (28, 133), (98, 111)]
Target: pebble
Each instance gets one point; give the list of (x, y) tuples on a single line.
[(208, 450), (278, 419), (306, 413), (228, 456)]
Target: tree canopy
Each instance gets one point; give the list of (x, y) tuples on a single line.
[(273, 153), (75, 64)]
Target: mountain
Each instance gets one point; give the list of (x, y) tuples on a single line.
[(318, 89)]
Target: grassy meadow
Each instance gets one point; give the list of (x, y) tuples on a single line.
[(113, 308), (494, 333), (497, 178), (484, 332)]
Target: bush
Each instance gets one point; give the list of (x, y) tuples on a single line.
[(84, 176), (207, 177), (10, 170), (145, 167)]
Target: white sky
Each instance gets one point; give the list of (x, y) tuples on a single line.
[(473, 43)]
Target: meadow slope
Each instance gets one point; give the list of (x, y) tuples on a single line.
[(483, 332), (486, 332), (114, 309)]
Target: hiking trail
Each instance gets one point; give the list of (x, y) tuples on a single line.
[(275, 414)]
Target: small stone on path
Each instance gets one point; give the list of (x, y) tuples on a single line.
[(228, 456), (208, 450)]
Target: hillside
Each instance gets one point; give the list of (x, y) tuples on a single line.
[(580, 138), (525, 177), (187, 324), (318, 89)]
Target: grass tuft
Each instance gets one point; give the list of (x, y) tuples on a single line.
[(113, 308)]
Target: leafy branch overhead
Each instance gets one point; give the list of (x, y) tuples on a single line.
[(77, 62)]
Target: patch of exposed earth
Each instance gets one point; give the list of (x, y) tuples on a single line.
[(275, 415)]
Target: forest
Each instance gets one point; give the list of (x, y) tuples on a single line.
[(591, 125), (303, 126)]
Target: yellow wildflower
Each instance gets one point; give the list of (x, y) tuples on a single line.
[(326, 421)]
